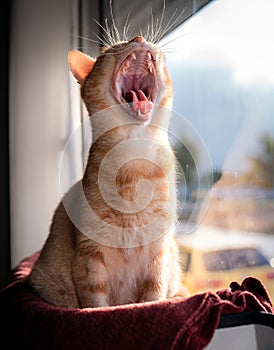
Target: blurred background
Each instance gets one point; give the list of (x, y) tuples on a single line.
[(221, 64)]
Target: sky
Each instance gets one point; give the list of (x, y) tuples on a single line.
[(226, 53), (237, 31)]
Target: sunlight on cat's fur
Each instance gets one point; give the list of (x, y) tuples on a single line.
[(128, 94)]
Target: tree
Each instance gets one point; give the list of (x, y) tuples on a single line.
[(186, 161), (262, 167)]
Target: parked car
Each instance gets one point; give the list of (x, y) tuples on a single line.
[(212, 259)]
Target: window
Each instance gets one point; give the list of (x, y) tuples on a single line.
[(221, 65)]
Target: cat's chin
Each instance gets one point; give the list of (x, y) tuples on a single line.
[(141, 117)]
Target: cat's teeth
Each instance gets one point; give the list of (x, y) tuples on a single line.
[(149, 55), (125, 67), (149, 67), (133, 56)]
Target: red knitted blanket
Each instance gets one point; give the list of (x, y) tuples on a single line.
[(27, 322)]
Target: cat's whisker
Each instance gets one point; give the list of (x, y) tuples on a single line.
[(154, 31), (103, 41), (105, 37), (167, 27), (141, 31), (161, 23), (130, 35), (177, 20), (147, 33), (158, 33), (159, 29), (87, 48), (116, 31), (85, 38), (108, 32), (114, 37), (165, 44), (99, 42), (152, 26), (169, 52), (171, 24), (126, 28)]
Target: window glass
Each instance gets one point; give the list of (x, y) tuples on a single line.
[(233, 259), (221, 62)]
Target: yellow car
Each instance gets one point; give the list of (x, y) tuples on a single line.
[(212, 259)]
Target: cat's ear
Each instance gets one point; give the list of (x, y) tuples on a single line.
[(80, 65)]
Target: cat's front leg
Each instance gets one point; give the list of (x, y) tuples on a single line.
[(155, 286), (91, 280)]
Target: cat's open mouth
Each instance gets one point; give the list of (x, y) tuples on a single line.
[(135, 84)]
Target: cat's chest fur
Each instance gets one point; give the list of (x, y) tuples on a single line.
[(127, 269), (138, 205)]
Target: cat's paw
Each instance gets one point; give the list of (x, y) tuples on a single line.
[(151, 297), (96, 300)]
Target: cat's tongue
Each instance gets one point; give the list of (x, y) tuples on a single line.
[(139, 104)]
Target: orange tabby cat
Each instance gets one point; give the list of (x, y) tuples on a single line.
[(111, 240)]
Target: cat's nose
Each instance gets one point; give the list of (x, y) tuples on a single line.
[(138, 39)]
